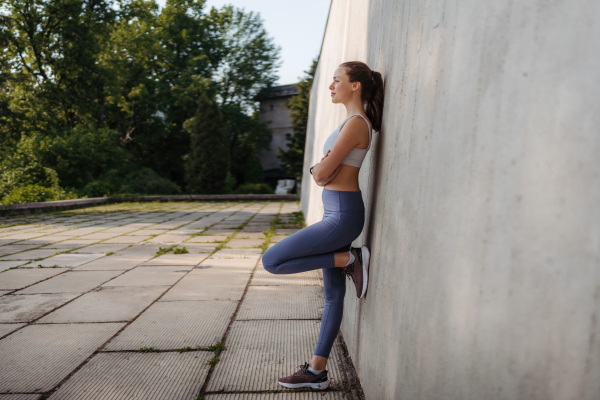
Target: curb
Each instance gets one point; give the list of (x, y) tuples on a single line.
[(27, 208)]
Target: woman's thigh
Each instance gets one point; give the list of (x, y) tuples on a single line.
[(326, 236)]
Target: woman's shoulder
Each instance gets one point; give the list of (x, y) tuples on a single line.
[(357, 123)]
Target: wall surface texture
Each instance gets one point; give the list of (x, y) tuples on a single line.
[(483, 197)]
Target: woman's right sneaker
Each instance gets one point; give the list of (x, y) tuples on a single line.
[(304, 378), (359, 270)]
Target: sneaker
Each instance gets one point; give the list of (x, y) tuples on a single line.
[(359, 270), (304, 378)]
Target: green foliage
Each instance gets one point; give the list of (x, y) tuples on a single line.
[(110, 94), (293, 157), (34, 194), (24, 179), (182, 250), (81, 154), (147, 350), (255, 188), (208, 162)]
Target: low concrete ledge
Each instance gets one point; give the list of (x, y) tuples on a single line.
[(27, 208)]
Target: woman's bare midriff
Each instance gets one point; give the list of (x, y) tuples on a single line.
[(346, 180)]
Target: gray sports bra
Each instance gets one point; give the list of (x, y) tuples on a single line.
[(356, 156)]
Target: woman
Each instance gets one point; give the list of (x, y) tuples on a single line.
[(327, 244)]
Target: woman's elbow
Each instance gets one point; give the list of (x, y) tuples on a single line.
[(319, 179)]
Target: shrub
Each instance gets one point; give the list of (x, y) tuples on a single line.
[(36, 193)]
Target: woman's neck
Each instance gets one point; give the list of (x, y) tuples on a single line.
[(354, 107)]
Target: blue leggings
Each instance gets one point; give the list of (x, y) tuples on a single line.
[(313, 248)]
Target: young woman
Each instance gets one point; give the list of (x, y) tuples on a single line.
[(327, 244)]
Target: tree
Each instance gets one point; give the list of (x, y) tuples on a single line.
[(207, 163), (293, 157)]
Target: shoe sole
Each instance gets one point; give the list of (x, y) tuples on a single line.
[(318, 385), (365, 265)]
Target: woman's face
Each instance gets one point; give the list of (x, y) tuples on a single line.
[(341, 87)]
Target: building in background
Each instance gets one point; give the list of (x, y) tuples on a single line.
[(273, 111)]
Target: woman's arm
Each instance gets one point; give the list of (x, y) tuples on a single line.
[(350, 136)]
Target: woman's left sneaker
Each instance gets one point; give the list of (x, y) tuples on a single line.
[(304, 378), (359, 270)]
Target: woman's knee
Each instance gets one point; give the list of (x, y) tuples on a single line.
[(269, 262)]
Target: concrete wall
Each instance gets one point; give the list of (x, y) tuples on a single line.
[(483, 193)]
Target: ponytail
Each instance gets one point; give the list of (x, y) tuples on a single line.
[(372, 90)]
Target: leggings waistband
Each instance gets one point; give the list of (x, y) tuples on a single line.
[(338, 200)]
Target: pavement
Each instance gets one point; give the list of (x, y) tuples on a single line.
[(158, 301)]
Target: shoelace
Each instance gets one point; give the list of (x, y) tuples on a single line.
[(303, 369), (349, 272)]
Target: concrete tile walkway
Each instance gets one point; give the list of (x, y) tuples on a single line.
[(157, 301)]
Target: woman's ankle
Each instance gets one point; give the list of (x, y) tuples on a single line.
[(341, 259)]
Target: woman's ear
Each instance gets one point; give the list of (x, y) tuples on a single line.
[(355, 86)]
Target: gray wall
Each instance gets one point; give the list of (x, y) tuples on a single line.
[(483, 194)]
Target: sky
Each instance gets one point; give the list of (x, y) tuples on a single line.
[(297, 27)]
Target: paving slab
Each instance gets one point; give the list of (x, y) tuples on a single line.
[(27, 308), (150, 376), (316, 395), (23, 235), (112, 263), (69, 260), (4, 265), (139, 250), (244, 243), (216, 239), (37, 357), (101, 248), (256, 228), (150, 276), (199, 247), (264, 278), (229, 264), (209, 284), (177, 259), (275, 348), (106, 304), (282, 302), (176, 325), (20, 396), (20, 278), (250, 235), (238, 253), (70, 244), (169, 239), (218, 232), (130, 239), (16, 248), (98, 236), (5, 329), (286, 231), (30, 255), (71, 282), (148, 232)]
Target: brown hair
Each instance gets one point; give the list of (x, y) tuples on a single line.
[(371, 89)]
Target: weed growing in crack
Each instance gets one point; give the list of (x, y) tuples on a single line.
[(164, 250), (217, 349), (182, 250), (183, 350), (147, 350)]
